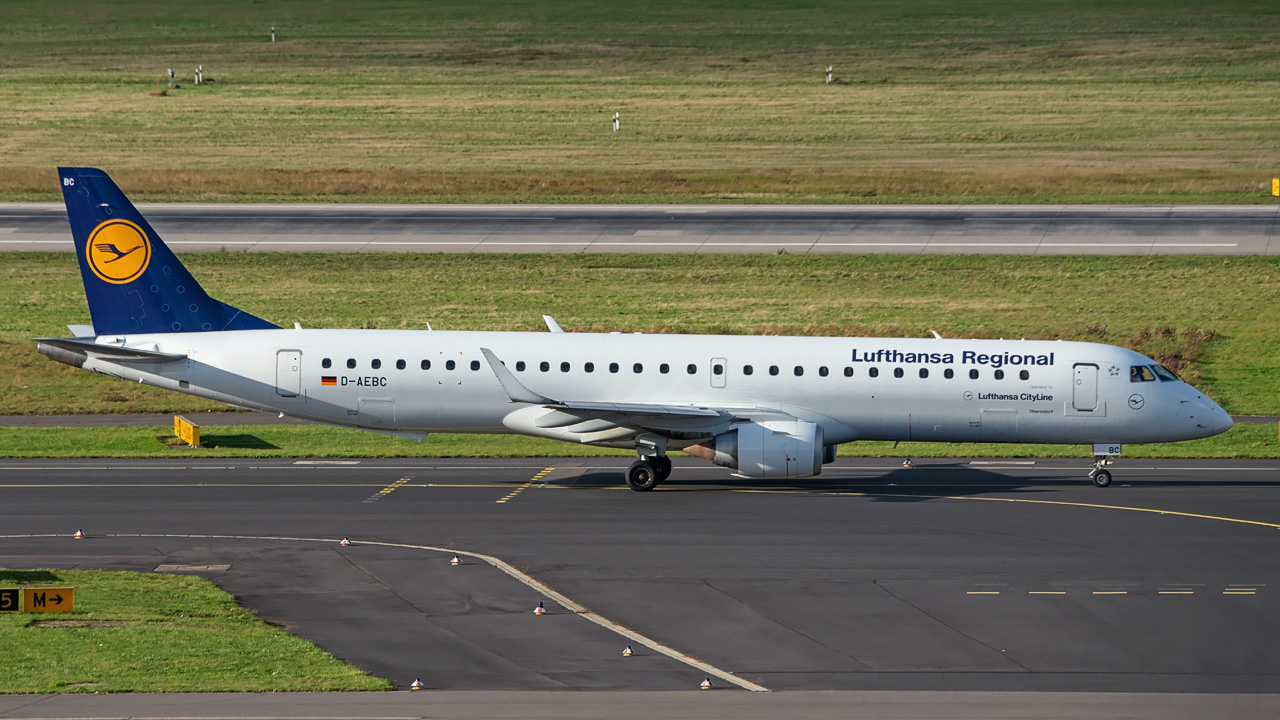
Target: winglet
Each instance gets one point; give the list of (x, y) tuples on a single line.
[(552, 325), (515, 391)]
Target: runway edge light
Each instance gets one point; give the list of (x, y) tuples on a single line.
[(416, 684), (540, 610)]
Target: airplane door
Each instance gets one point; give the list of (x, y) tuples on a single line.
[(1084, 394), (288, 373), (719, 371)]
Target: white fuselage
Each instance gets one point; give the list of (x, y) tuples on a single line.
[(854, 388)]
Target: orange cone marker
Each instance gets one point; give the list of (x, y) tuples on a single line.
[(706, 684), (456, 560), (345, 542), (416, 685), (626, 651), (539, 610), (79, 535), (907, 463)]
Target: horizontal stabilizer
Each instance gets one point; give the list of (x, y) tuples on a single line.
[(112, 352)]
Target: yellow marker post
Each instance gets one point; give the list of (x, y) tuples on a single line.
[(186, 431), (1275, 186), (48, 599)]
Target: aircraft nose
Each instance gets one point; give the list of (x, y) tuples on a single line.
[(1222, 422)]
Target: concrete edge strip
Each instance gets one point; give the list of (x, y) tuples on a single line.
[(502, 565)]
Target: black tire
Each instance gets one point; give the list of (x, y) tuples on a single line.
[(1102, 478), (641, 476), (662, 466)]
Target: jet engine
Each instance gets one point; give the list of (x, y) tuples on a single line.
[(768, 449)]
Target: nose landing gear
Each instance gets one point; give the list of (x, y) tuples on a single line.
[(1100, 477)]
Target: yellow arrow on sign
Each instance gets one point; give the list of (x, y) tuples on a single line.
[(48, 599)]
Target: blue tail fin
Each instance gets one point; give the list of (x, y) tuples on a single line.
[(134, 283)]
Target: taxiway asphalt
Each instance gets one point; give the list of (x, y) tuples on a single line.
[(954, 575), (907, 229)]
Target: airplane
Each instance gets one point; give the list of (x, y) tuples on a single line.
[(766, 407)]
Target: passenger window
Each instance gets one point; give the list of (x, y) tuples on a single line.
[(897, 372), (874, 372), (691, 369), (1141, 373), (948, 373), (747, 369), (376, 364), (637, 368), (520, 366), (326, 363), (544, 366), (589, 367), (351, 363), (773, 369), (450, 365), (799, 371), (400, 364), (973, 374), (822, 371), (999, 374), (924, 373), (848, 372), (664, 368), (1024, 375), (613, 367), (426, 364), (475, 365), (564, 367)]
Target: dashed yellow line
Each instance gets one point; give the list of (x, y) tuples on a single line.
[(983, 592), (543, 473), (1177, 592), (1110, 592), (1046, 592), (387, 490)]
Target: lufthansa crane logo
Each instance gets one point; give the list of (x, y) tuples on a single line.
[(118, 251)]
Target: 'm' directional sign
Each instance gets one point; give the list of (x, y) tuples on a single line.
[(48, 599), (10, 599)]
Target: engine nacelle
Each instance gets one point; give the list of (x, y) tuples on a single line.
[(770, 449)]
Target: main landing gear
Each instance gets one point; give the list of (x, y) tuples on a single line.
[(648, 473), (1098, 475)]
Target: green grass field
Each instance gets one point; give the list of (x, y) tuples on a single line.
[(132, 632), (1214, 320), (934, 100)]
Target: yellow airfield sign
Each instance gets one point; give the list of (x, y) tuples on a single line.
[(186, 431), (10, 599), (48, 599)]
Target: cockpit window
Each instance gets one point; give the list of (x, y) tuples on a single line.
[(1163, 374), (1141, 373)]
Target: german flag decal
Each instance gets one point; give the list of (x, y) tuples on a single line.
[(328, 380)]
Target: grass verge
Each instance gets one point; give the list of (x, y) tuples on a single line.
[(1242, 441), (134, 632), (1150, 101), (1213, 319)]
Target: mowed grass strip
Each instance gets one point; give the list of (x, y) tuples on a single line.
[(1214, 320), (135, 632), (489, 101), (321, 441)]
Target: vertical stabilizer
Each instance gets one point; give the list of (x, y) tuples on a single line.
[(133, 282)]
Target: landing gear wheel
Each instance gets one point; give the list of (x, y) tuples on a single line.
[(1102, 478), (641, 476), (662, 466)]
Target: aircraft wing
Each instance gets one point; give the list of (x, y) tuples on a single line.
[(594, 420)]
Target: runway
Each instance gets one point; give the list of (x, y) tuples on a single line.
[(918, 229), (970, 576)]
